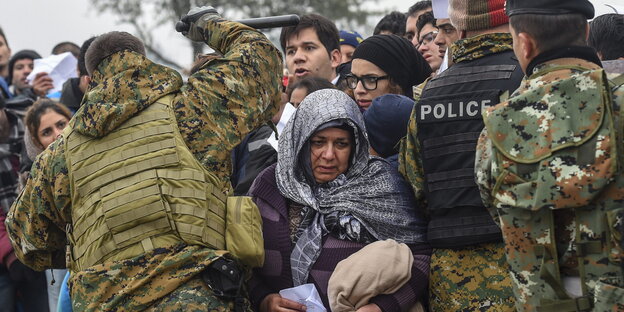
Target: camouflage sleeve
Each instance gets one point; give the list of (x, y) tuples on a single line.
[(410, 163), (231, 95), (483, 173), (36, 221)]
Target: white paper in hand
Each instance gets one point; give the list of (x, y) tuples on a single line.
[(59, 67), (305, 294), (289, 110)]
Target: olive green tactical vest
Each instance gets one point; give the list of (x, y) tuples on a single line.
[(139, 188), (575, 168)]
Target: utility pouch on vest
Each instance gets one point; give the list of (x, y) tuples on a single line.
[(225, 279), (243, 234)]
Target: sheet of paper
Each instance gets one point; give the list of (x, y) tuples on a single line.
[(59, 67), (305, 294), (289, 110)]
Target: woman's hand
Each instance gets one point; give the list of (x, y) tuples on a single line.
[(275, 303), (371, 307)]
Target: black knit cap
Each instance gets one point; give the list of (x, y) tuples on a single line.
[(550, 7), (397, 57), (23, 54)]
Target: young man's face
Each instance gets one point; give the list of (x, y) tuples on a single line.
[(410, 25), (306, 56), (21, 69), (447, 34)]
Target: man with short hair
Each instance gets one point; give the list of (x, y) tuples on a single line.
[(136, 185), (548, 164), (20, 66), (392, 23), (468, 266), (424, 41), (312, 48), (74, 88), (606, 35), (413, 13)]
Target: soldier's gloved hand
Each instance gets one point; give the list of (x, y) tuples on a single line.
[(192, 24)]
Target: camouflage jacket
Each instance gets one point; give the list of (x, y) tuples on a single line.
[(464, 50), (222, 102), (547, 166)]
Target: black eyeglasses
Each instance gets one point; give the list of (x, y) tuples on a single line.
[(368, 82), (428, 38)]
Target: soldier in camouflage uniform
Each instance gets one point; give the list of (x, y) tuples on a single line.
[(137, 181), (468, 266), (549, 165)]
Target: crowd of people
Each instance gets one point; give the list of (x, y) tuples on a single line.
[(467, 158)]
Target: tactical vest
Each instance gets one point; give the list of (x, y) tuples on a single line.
[(576, 168), (139, 188), (449, 123)]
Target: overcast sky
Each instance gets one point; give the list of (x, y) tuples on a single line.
[(39, 24)]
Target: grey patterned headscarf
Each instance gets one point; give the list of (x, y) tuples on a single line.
[(369, 195)]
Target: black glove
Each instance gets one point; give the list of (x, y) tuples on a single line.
[(21, 273), (192, 24)]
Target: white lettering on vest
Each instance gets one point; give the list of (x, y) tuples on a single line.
[(472, 112), (438, 111), (424, 111)]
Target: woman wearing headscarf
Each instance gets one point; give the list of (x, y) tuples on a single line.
[(384, 64), (325, 199)]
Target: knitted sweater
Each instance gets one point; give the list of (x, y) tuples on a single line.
[(276, 275)]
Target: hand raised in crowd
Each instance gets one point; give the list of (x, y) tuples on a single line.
[(275, 303), (42, 84)]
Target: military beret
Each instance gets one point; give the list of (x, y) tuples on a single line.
[(550, 7)]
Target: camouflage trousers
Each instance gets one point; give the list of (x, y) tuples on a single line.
[(471, 279)]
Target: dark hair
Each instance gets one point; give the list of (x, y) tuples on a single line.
[(66, 46), (552, 31), (424, 19), (82, 68), (419, 6), (311, 84), (38, 109), (325, 30), (109, 43), (4, 36), (606, 35), (393, 22), (20, 55)]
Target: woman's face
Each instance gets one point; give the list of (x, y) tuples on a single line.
[(363, 68), (50, 127), (330, 151)]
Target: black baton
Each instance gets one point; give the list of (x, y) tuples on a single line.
[(257, 23)]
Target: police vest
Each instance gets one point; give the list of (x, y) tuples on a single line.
[(575, 168), (139, 188), (449, 123)]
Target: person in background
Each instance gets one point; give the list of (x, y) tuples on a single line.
[(299, 90), (413, 13), (66, 46), (424, 41), (312, 48), (45, 120), (385, 64), (324, 200), (349, 40), (74, 88), (386, 124), (393, 23), (606, 35)]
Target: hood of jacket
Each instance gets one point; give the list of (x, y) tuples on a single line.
[(124, 84)]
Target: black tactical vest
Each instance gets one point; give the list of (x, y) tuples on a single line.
[(449, 124)]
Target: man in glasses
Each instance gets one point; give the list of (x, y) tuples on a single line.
[(439, 154), (424, 41)]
